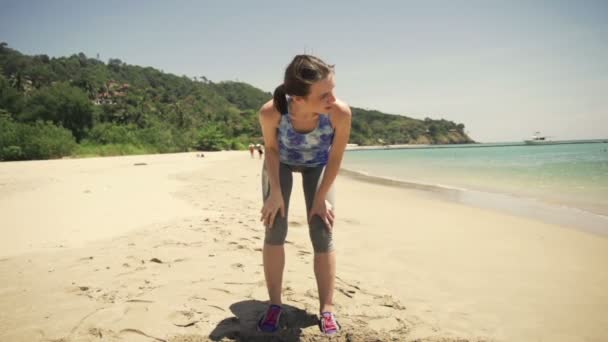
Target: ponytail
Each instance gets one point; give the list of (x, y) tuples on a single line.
[(280, 102)]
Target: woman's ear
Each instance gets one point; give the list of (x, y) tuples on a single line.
[(298, 99)]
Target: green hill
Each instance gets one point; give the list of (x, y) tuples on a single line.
[(76, 105)]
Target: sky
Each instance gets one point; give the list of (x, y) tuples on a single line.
[(504, 69)]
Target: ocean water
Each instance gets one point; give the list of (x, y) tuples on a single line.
[(567, 182)]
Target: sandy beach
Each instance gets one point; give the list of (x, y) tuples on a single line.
[(168, 248)]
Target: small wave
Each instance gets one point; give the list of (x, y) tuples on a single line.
[(383, 180), (526, 206)]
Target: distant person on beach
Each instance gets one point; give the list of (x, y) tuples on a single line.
[(251, 148), (306, 129), (260, 150)]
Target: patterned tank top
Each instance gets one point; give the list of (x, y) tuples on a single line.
[(305, 149)]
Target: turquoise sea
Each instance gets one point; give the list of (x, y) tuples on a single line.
[(566, 183)]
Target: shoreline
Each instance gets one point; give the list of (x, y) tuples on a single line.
[(522, 206), (471, 145)]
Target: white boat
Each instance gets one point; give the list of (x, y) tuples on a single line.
[(538, 139)]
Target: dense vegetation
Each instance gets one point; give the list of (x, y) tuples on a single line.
[(76, 105)]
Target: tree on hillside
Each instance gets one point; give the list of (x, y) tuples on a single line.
[(63, 105)]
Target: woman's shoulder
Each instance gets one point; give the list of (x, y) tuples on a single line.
[(269, 108), (269, 113)]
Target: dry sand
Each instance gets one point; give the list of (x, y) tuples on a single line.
[(106, 250)]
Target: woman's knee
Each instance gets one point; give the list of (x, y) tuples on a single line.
[(320, 236), (276, 234)]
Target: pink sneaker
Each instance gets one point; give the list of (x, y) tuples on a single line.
[(270, 321), (328, 324)]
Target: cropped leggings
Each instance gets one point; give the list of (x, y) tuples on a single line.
[(320, 236)]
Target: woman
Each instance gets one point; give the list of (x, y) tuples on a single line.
[(306, 129)]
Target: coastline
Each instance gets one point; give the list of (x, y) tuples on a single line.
[(544, 211), (472, 145)]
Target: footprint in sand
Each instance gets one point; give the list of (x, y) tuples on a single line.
[(390, 302), (82, 288), (145, 301), (188, 338), (95, 294), (288, 291), (224, 232), (217, 307), (98, 333), (311, 294), (303, 252), (183, 318), (238, 266), (238, 245), (221, 290), (351, 221), (347, 293), (347, 283)]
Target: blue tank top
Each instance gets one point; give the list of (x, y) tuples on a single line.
[(305, 149)]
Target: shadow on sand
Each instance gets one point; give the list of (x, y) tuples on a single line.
[(242, 326)]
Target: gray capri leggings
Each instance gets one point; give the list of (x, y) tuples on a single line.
[(320, 236)]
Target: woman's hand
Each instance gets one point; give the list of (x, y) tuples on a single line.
[(324, 210), (273, 204)]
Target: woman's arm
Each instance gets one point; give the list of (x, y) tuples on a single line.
[(341, 119), (269, 120)]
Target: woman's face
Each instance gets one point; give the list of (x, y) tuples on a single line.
[(321, 97)]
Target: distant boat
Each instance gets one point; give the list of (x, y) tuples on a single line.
[(538, 139)]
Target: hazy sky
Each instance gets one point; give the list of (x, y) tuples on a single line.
[(503, 68)]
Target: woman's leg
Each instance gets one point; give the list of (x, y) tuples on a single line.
[(274, 252), (325, 272), (321, 237)]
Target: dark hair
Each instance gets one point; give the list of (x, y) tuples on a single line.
[(300, 74)]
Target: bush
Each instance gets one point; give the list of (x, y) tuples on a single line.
[(92, 150), (61, 104), (108, 133), (9, 131), (157, 136), (40, 140), (43, 140), (184, 140), (11, 153), (237, 145), (211, 138)]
